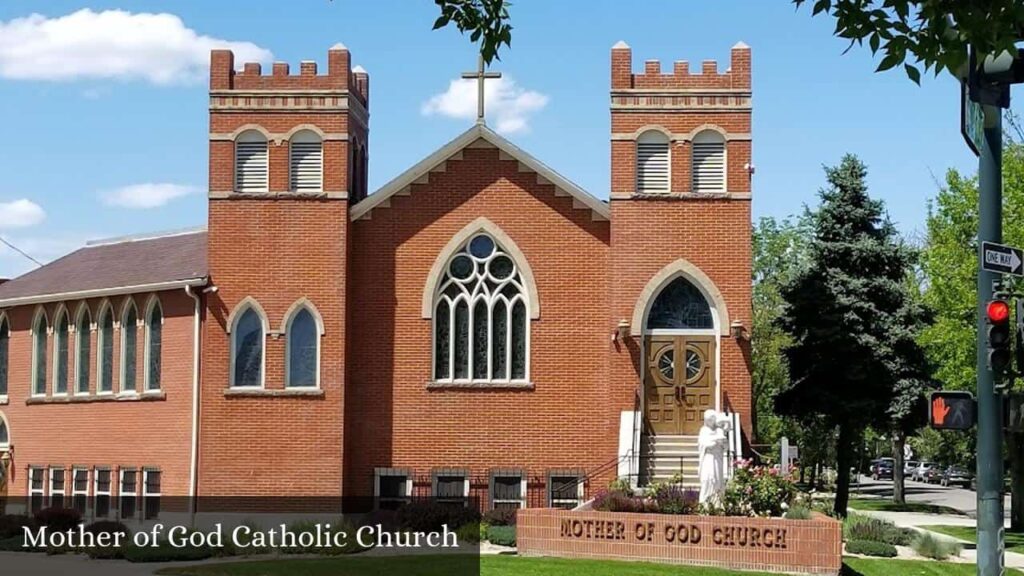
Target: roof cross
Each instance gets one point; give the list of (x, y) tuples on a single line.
[(481, 75)]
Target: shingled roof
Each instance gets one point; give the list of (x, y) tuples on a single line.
[(119, 266)]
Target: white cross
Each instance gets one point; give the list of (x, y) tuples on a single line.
[(480, 75)]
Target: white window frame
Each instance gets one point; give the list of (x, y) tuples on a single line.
[(105, 309), (380, 473), (64, 485), (704, 138), (121, 494), (128, 307), (302, 138), (41, 492), (552, 501), (437, 474), (96, 492), (7, 383), (154, 304), (39, 318), (85, 317), (248, 303), (648, 139), (517, 279), (4, 446), (287, 330), (62, 314), (75, 492), (252, 136), (521, 502), (147, 494)]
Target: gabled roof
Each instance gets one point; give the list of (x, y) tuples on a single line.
[(116, 266), (581, 198)]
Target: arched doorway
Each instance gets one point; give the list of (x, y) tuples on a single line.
[(680, 333)]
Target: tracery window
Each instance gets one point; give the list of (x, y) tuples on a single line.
[(247, 339), (481, 330), (303, 369), (680, 306)]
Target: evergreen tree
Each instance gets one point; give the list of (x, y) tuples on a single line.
[(840, 313)]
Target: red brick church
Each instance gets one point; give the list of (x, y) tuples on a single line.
[(480, 326)]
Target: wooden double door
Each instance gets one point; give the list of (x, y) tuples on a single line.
[(679, 383)]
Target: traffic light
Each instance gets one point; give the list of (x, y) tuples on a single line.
[(997, 312), (989, 81), (951, 410)]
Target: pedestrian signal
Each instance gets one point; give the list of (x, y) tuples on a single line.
[(950, 410)]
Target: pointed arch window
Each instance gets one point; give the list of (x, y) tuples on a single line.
[(680, 306), (5, 438), (154, 345), (5, 345), (83, 352), (303, 354), (307, 166), (251, 162), (247, 339), (39, 329), (129, 349), (62, 330), (708, 162), (105, 344), (652, 163), (481, 329)]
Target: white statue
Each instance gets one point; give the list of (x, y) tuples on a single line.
[(711, 443)]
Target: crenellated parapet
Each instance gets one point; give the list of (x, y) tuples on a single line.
[(735, 79)]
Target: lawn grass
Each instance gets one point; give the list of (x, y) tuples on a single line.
[(1014, 540), (516, 566), (885, 505)]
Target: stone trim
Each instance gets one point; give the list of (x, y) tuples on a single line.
[(276, 393), (278, 137), (106, 397), (679, 137), (232, 195), (679, 196), (480, 385), (686, 269)]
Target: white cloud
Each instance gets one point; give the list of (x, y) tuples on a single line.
[(21, 213), (144, 196), (158, 48), (510, 105), (42, 248)]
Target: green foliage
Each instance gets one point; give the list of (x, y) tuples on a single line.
[(12, 525), (675, 499), (933, 34), (930, 546), (798, 512), (485, 20), (860, 527), (502, 535), (621, 485), (164, 552), (871, 548), (757, 491), (469, 533)]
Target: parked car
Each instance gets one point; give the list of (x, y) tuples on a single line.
[(921, 472), (882, 469), (956, 476), (908, 467)]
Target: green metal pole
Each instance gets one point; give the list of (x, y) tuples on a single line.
[(990, 453)]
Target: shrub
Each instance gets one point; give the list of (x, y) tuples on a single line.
[(429, 516), (674, 499), (108, 527), (350, 545), (799, 512), (859, 527), (245, 543), (757, 491), (500, 517), (468, 533), (387, 519), (164, 552), (484, 527), (12, 525), (871, 548), (621, 485), (611, 501), (502, 535), (58, 519), (931, 546)]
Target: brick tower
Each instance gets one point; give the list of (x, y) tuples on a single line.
[(287, 157), (680, 202)]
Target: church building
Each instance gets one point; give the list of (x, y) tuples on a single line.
[(479, 327)]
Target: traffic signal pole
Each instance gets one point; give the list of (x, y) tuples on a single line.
[(990, 454)]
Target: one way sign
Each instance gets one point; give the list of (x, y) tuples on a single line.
[(1000, 258)]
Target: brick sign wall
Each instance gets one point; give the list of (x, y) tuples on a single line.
[(766, 544)]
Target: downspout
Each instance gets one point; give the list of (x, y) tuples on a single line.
[(194, 458)]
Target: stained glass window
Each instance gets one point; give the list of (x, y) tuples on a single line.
[(60, 382), (154, 346), (5, 437), (480, 316), (5, 340), (106, 338), (680, 306), (129, 339), (248, 339), (39, 344), (303, 353), (83, 358)]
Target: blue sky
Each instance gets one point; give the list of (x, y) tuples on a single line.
[(105, 115)]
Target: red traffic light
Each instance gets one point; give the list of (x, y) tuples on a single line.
[(998, 311)]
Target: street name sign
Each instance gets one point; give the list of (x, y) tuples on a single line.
[(972, 121), (1001, 258)]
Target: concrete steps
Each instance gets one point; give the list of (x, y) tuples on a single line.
[(664, 457)]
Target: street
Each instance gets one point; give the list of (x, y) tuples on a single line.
[(952, 497)]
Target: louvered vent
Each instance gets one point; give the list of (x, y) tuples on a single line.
[(709, 167), (251, 166), (307, 166), (652, 167)]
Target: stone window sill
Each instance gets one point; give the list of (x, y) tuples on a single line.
[(435, 385), (275, 393), (4, 400), (83, 399)]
